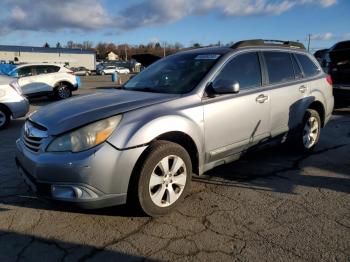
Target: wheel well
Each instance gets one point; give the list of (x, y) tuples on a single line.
[(6, 109), (186, 142), (70, 86), (316, 105)]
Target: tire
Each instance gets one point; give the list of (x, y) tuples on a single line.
[(62, 91), (5, 117), (310, 131), (154, 184)]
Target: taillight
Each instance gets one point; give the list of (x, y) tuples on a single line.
[(71, 72), (329, 80)]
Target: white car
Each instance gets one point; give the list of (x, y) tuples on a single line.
[(109, 70), (46, 79), (122, 70), (12, 103)]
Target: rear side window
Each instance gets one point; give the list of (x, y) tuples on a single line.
[(279, 67), (297, 71), (309, 67), (46, 69), (245, 69)]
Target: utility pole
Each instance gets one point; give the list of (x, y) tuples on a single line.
[(308, 44), (126, 53), (164, 46)]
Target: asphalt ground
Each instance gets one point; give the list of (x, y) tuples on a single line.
[(272, 205)]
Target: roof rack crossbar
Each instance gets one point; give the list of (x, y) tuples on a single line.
[(271, 43)]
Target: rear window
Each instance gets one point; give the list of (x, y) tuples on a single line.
[(341, 45), (279, 67), (309, 67)]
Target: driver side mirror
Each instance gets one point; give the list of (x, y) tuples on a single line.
[(226, 87)]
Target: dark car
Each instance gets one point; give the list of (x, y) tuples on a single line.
[(339, 69)]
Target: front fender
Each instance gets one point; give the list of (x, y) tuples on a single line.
[(134, 131)]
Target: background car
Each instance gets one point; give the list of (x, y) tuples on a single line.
[(45, 79), (339, 69), (110, 69), (12, 103), (81, 71), (122, 70), (106, 70)]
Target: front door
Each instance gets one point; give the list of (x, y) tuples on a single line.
[(233, 122)]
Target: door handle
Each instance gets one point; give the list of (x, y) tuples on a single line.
[(302, 89), (261, 98)]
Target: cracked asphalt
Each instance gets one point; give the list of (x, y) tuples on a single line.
[(272, 205)]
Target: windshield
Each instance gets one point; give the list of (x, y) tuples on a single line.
[(177, 74)]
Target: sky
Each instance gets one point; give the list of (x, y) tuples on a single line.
[(34, 22)]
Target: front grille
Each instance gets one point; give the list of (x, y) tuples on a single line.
[(32, 143), (33, 136)]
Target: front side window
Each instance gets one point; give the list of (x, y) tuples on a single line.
[(309, 67), (279, 67), (24, 71), (177, 74), (244, 69)]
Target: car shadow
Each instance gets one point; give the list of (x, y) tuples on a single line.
[(18, 246)]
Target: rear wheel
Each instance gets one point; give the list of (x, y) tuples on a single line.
[(5, 117), (63, 91), (163, 179), (310, 131)]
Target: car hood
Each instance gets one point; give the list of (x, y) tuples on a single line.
[(5, 80), (66, 115)]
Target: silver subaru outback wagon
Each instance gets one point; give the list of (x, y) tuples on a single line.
[(183, 115)]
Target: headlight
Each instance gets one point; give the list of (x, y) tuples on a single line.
[(85, 137)]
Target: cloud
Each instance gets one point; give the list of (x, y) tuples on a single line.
[(322, 37), (52, 15)]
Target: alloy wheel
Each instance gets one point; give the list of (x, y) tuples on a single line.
[(167, 181), (63, 92), (311, 132), (3, 118)]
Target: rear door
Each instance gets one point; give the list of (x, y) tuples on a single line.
[(288, 91), (27, 80), (233, 122), (44, 75)]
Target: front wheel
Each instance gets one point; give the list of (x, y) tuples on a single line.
[(164, 178), (310, 131), (63, 91), (5, 117)]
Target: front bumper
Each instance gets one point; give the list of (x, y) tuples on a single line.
[(102, 173)]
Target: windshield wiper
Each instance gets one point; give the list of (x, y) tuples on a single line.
[(143, 89)]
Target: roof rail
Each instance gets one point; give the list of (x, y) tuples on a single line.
[(271, 43)]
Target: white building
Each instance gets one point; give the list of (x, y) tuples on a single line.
[(72, 57), (112, 56)]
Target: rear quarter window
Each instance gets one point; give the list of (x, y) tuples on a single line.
[(279, 67), (308, 66)]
